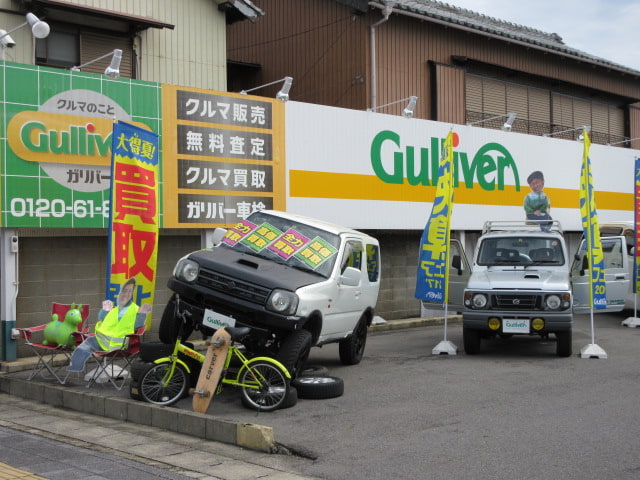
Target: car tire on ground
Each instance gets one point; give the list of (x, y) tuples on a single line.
[(292, 398), (471, 340), (351, 349), (314, 371), (150, 351), (134, 390), (139, 368), (318, 387), (294, 351), (563, 343)]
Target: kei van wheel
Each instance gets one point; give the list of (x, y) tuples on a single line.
[(471, 340), (564, 343)]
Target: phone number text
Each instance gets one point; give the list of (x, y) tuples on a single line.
[(58, 208)]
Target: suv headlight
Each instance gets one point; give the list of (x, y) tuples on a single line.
[(283, 302), (186, 270)]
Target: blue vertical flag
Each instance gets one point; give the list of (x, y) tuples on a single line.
[(636, 245), (433, 272), (597, 290)]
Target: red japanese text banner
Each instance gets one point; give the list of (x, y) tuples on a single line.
[(133, 226)]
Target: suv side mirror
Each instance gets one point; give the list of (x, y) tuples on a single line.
[(350, 277), (218, 235)]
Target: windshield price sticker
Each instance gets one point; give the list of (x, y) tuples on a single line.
[(237, 232), (217, 320), (288, 244), (261, 237), (512, 325), (316, 252)]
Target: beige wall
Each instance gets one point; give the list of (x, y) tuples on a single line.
[(193, 54)]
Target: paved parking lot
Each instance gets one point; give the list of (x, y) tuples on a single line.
[(515, 411)]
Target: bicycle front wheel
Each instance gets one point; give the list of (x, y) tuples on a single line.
[(264, 386), (158, 388)]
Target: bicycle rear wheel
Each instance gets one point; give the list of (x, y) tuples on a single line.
[(156, 389), (265, 386)]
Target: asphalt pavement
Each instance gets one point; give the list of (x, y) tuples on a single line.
[(514, 411)]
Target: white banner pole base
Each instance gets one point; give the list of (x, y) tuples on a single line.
[(592, 351), (632, 322), (445, 347)]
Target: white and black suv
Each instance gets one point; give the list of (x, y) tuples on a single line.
[(296, 281)]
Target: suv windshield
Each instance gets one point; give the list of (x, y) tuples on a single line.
[(520, 251), (285, 241)]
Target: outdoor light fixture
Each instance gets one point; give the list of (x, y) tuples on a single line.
[(282, 95), (406, 112), (39, 29), (580, 137), (506, 126), (113, 70)]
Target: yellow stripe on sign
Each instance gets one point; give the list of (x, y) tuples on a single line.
[(351, 186)]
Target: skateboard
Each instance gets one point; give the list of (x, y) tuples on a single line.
[(211, 370)]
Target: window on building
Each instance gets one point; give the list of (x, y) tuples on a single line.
[(68, 46), (540, 111)]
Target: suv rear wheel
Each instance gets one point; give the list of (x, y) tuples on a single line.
[(351, 349)]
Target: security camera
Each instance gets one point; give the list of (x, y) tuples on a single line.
[(5, 40)]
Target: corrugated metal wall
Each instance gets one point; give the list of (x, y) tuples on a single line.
[(298, 38)]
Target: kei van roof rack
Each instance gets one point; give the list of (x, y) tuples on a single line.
[(521, 225)]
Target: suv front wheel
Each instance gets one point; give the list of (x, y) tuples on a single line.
[(294, 351)]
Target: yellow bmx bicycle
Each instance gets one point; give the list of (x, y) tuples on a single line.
[(265, 382)]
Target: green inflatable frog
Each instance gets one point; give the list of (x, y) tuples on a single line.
[(60, 332)]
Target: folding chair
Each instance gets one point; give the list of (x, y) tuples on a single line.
[(115, 365), (53, 358)]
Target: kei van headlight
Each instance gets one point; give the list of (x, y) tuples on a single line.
[(558, 302), (186, 270), (475, 300), (283, 302)]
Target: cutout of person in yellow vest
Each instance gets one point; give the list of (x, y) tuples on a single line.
[(114, 324)]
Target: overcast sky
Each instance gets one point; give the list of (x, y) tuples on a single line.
[(604, 28)]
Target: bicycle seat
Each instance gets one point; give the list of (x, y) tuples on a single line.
[(238, 332)]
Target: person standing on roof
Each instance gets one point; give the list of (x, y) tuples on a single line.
[(113, 326), (537, 203)]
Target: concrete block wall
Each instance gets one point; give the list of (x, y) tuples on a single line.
[(68, 269), (399, 252)]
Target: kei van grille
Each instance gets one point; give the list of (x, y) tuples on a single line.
[(516, 302), (234, 287)]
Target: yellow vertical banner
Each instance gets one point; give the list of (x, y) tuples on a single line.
[(432, 276), (134, 215), (589, 213)]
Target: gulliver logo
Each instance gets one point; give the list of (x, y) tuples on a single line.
[(70, 136), (394, 163)]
